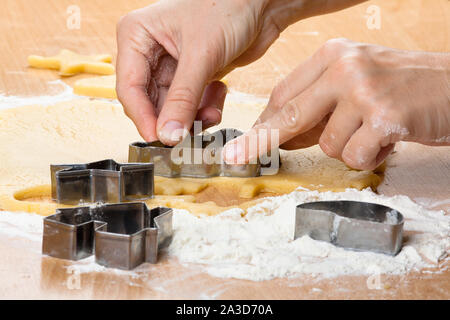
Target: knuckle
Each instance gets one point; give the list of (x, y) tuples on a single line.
[(126, 20), (333, 45), (289, 117), (349, 65), (121, 22), (276, 98), (364, 94), (389, 123), (183, 98)]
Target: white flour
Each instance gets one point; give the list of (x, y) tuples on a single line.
[(260, 246), (64, 93)]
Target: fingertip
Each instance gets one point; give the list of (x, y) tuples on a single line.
[(233, 152), (172, 132), (211, 104), (209, 116), (356, 160)]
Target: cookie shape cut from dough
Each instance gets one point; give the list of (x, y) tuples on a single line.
[(70, 63), (96, 87), (200, 156), (101, 181)]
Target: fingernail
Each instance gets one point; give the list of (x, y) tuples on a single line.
[(172, 131), (232, 153), (207, 122), (219, 112)]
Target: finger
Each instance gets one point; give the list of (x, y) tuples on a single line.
[(211, 105), (301, 78), (343, 123), (133, 79), (162, 95), (181, 105), (362, 149), (384, 152), (162, 76), (307, 139), (297, 116)]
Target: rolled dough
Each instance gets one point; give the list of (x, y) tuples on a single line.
[(83, 130), (69, 63)]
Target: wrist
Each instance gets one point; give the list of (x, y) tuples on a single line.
[(287, 12)]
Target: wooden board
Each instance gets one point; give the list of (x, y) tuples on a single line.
[(423, 173)]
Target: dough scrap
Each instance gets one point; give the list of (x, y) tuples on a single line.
[(70, 63), (84, 130), (97, 87)]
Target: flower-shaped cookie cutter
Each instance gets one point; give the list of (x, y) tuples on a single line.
[(120, 235)]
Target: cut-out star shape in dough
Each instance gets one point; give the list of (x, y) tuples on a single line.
[(70, 63)]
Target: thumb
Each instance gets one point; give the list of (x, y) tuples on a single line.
[(183, 98)]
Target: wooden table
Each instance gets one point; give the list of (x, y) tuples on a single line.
[(423, 173)]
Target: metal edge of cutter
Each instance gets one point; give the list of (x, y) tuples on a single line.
[(200, 147), (102, 181), (120, 235), (355, 225)]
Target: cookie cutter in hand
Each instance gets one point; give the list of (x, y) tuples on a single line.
[(353, 225), (200, 156), (120, 235), (103, 181)]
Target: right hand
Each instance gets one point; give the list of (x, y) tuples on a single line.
[(170, 53), (356, 100)]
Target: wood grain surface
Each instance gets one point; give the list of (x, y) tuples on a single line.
[(423, 173)]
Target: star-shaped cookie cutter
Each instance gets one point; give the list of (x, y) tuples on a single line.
[(120, 235), (355, 225), (102, 181), (200, 157)]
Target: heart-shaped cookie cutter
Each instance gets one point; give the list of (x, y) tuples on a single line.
[(353, 225)]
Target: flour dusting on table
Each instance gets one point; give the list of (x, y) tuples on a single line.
[(261, 246)]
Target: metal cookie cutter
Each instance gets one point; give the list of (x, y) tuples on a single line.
[(102, 181), (351, 224), (121, 235), (200, 157)]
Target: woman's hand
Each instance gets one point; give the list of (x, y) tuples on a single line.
[(170, 53), (356, 100)]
